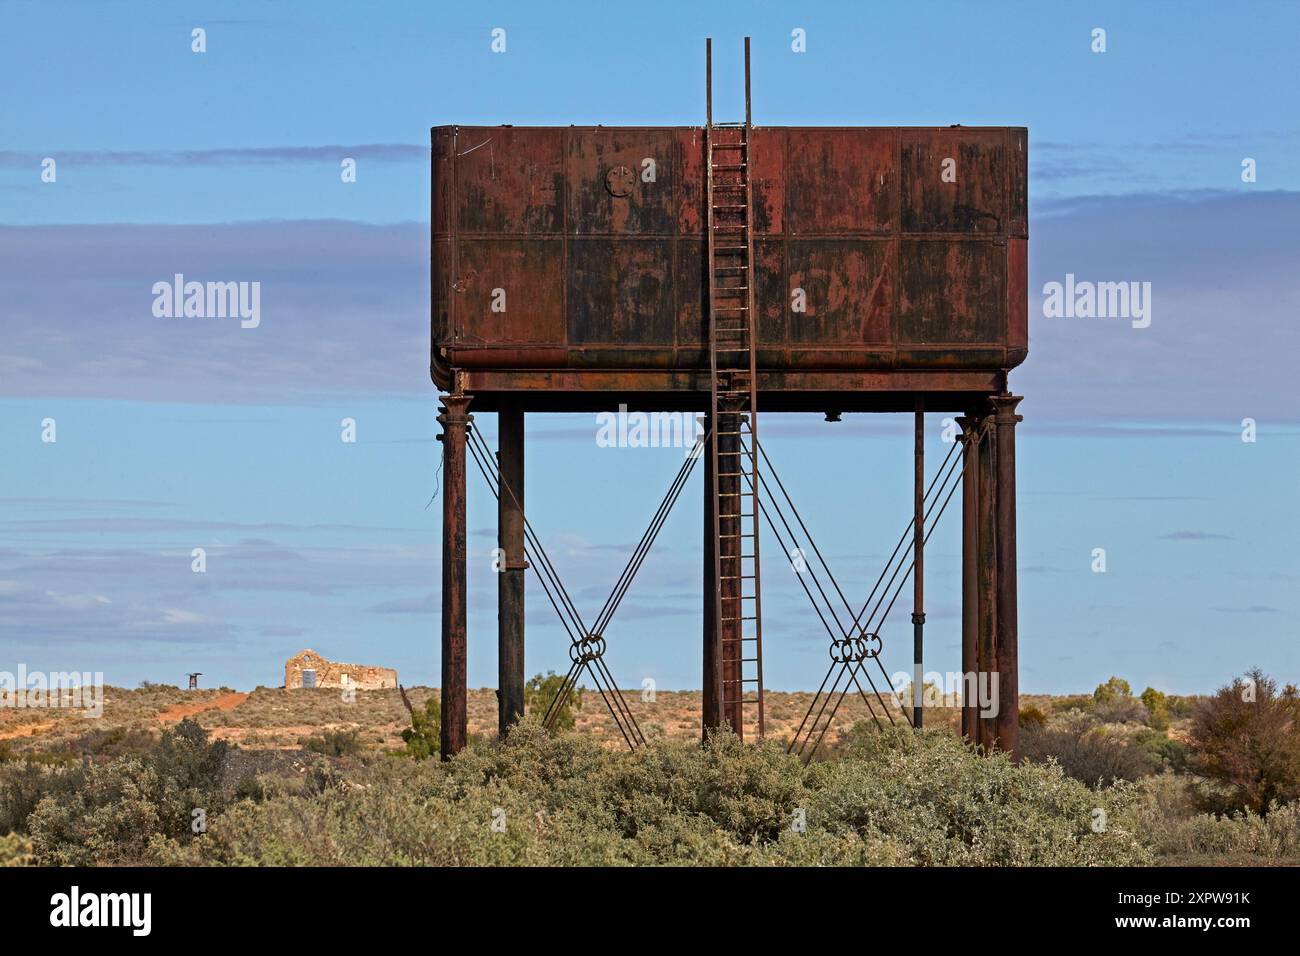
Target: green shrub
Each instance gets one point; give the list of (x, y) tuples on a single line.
[(113, 741), (335, 743), (563, 800), (1157, 705), (23, 784), (1162, 751), (424, 736), (118, 811), (1032, 716), (1167, 821), (1113, 703), (540, 691), (1114, 689), (15, 850)]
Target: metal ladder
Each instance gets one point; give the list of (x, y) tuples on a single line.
[(733, 373)]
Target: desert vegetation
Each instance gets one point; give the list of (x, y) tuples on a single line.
[(1111, 778)]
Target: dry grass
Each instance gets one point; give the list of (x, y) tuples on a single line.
[(271, 717)]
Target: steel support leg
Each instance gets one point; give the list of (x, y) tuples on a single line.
[(969, 577), (986, 573), (1008, 719), (918, 569), (455, 425), (510, 583), (712, 706)]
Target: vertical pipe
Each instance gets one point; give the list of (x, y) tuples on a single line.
[(986, 585), (969, 580), (510, 580), (455, 425), (1008, 720), (918, 567), (748, 115), (708, 80), (712, 706)]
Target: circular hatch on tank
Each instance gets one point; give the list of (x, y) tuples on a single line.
[(619, 181)]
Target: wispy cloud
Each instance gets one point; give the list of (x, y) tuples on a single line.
[(345, 309), (231, 156)]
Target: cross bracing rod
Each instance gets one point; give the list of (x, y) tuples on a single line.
[(848, 636), (559, 599), (629, 573), (587, 646), (947, 477)]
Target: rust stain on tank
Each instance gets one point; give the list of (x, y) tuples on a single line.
[(907, 243)]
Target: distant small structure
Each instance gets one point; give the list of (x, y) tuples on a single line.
[(194, 680), (308, 669)]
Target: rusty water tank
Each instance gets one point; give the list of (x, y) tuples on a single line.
[(569, 259)]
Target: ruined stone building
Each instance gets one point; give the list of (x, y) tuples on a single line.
[(309, 669)]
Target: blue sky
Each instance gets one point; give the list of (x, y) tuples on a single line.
[(177, 434)]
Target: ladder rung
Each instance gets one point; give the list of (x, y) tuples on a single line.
[(732, 166)]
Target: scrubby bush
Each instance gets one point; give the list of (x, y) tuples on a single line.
[(1162, 751), (540, 691), (539, 798), (1085, 751), (113, 742), (1032, 716), (1246, 739), (1157, 705), (335, 743), (118, 811), (1113, 703), (1167, 820), (15, 850), (23, 784), (424, 737), (1114, 689)]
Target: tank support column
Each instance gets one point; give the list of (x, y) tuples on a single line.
[(455, 424), (918, 568), (970, 577), (986, 570), (510, 581), (1008, 718), (712, 704)]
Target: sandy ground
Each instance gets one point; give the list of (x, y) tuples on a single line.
[(179, 712)]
